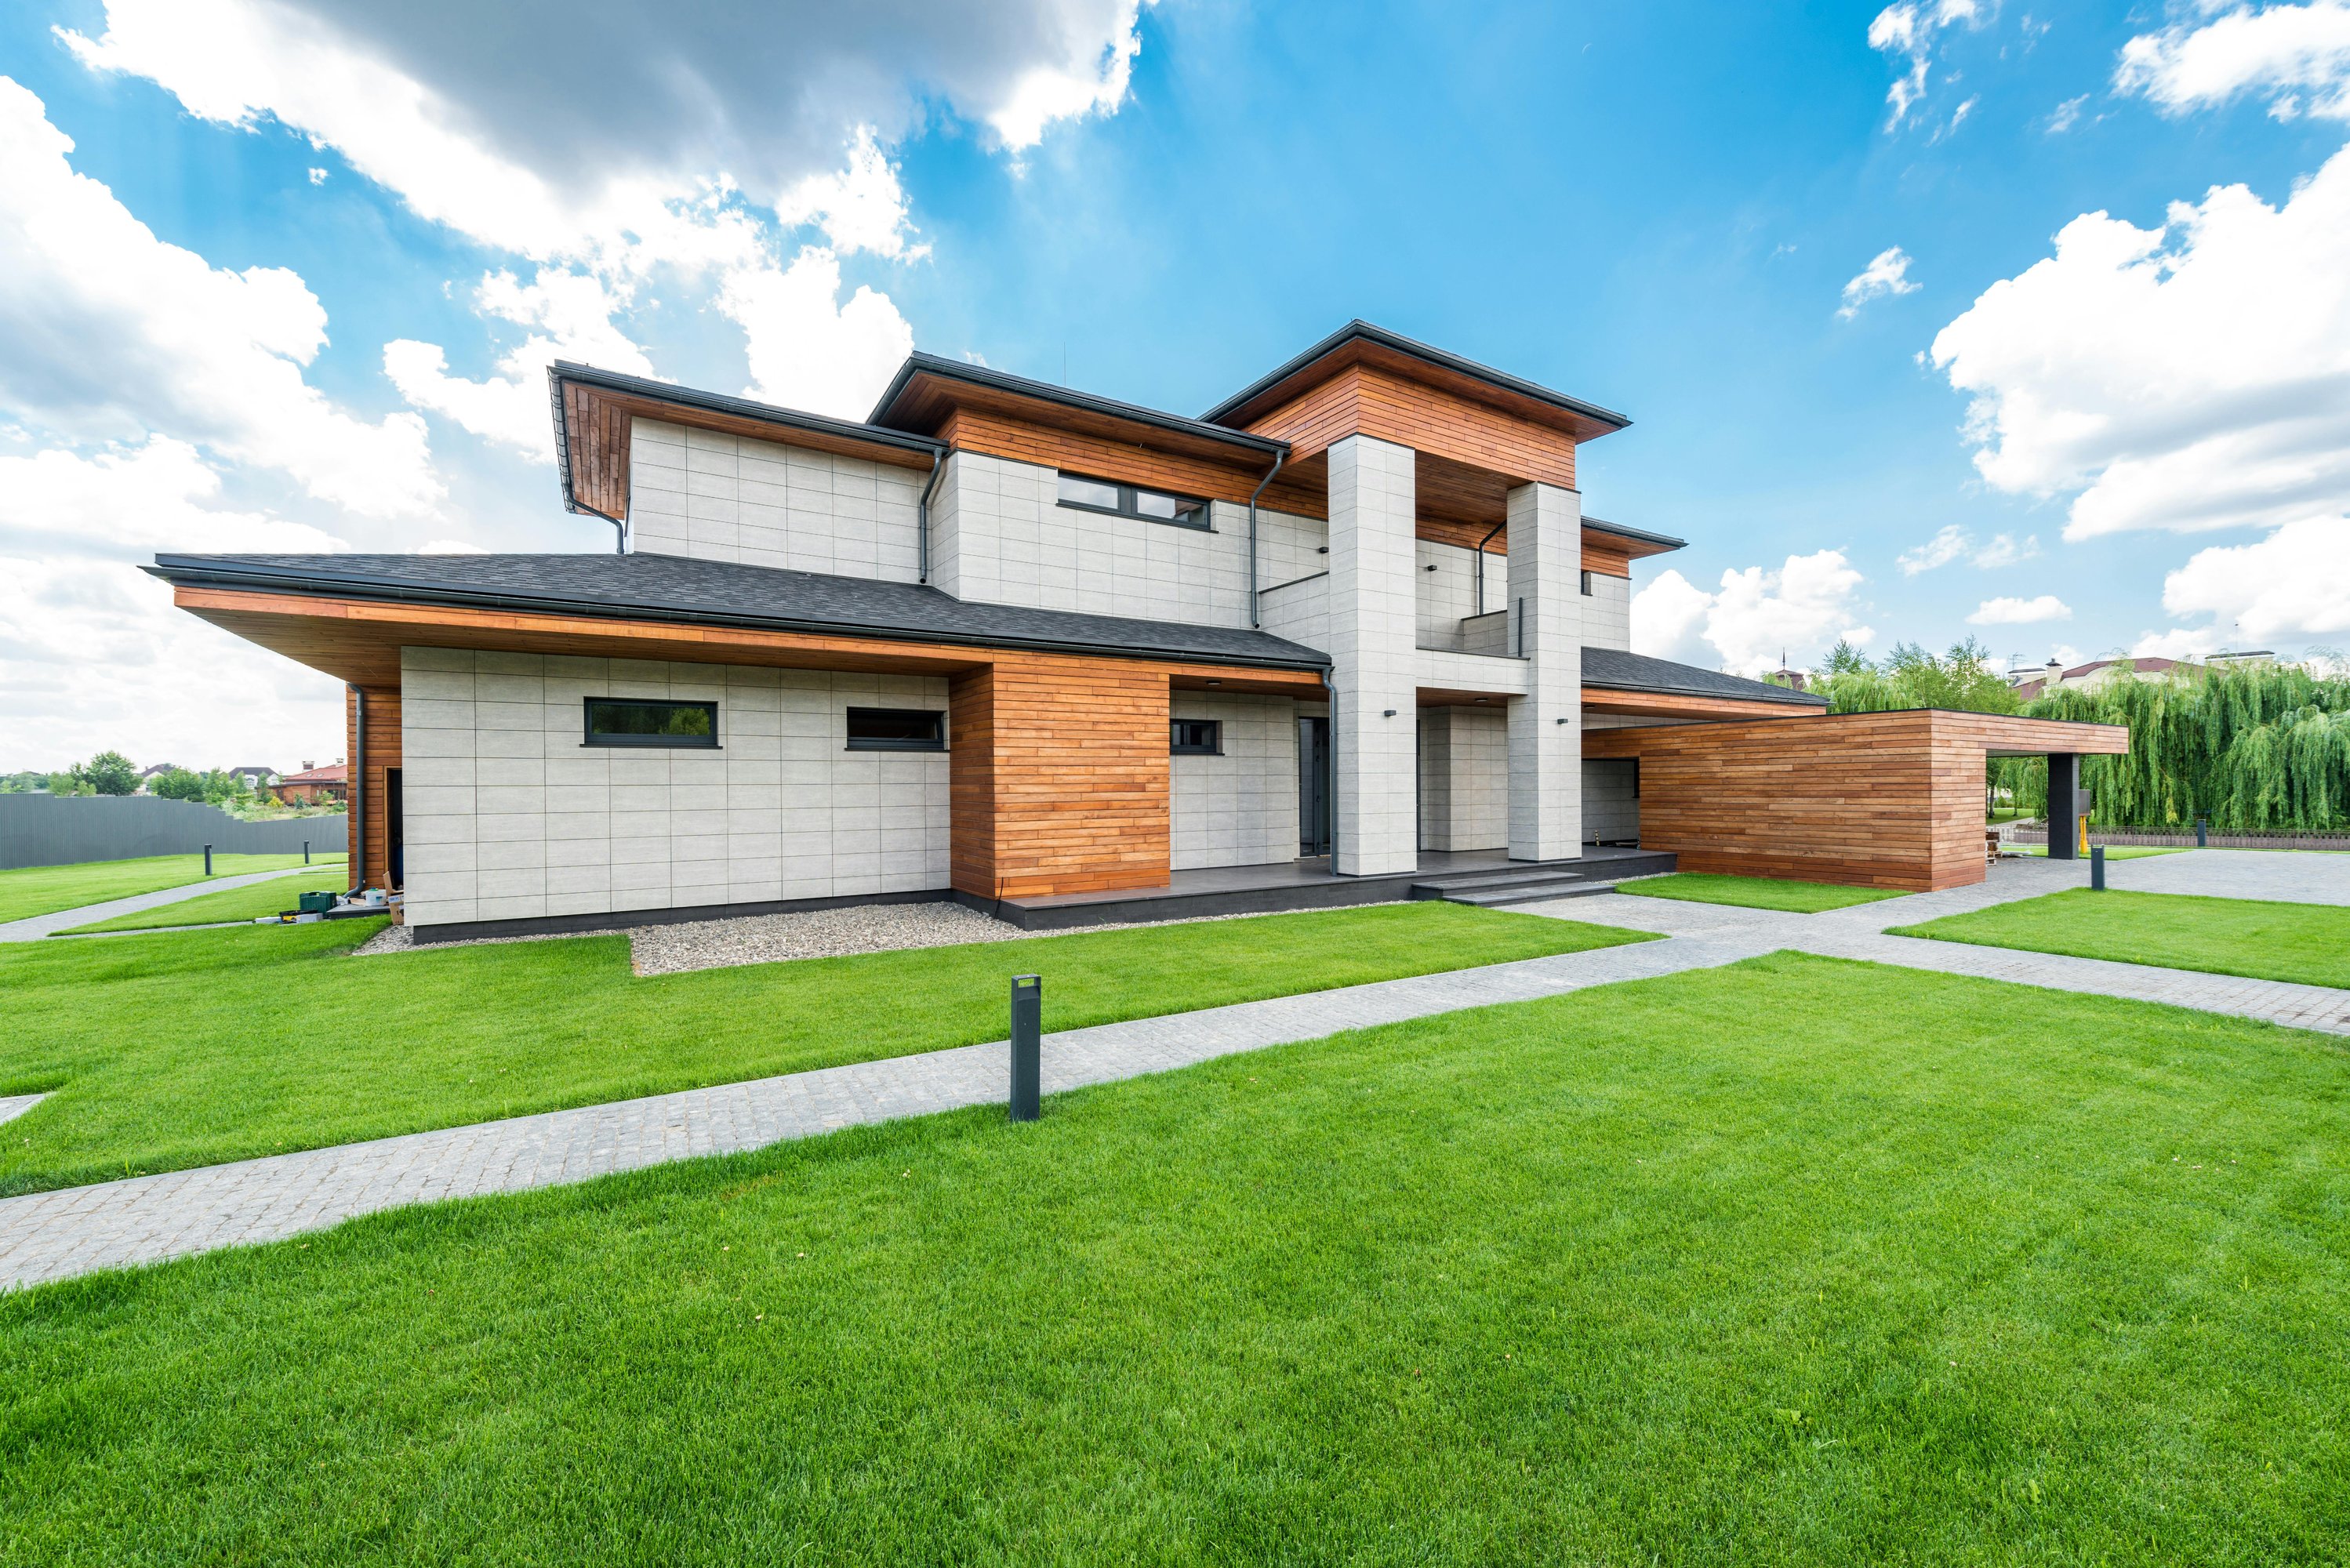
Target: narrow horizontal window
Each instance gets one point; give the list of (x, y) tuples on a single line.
[(897, 729), (613, 722), (1129, 501), (1196, 737)]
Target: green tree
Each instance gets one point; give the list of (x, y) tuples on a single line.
[(178, 784), (108, 773), (1910, 677)]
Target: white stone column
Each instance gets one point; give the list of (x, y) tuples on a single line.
[(1372, 618), (1545, 535)]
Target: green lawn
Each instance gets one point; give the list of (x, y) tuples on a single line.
[(189, 1048), (1755, 892), (249, 903), (2113, 852), (1795, 1263), (2305, 942), (44, 889)]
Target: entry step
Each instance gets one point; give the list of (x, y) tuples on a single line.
[(1541, 881)]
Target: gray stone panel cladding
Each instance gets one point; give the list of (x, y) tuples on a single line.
[(1464, 777), (1240, 808), (508, 816), (728, 498), (1298, 610), (1446, 593), (1611, 801), (1607, 612)]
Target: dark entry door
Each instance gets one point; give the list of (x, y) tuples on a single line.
[(393, 842), (1314, 786)]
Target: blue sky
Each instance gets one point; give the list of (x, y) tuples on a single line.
[(1671, 210)]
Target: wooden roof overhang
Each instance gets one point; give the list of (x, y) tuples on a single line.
[(358, 640), (1688, 706), (595, 411), (1997, 735)]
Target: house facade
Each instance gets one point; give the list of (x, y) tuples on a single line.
[(1016, 644)]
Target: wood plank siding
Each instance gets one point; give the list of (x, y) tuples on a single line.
[(1361, 399), (373, 865), (1874, 800), (1100, 456)]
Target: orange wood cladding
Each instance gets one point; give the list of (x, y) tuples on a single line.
[(1361, 399), (373, 869), (1673, 705), (1099, 456), (1875, 800), (1058, 777)]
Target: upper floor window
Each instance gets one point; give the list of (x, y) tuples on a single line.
[(1586, 584), (1129, 500), (614, 722), (1196, 737), (897, 729)]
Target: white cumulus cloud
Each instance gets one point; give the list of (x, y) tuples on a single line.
[(808, 347), (2298, 54), (1907, 31), (2293, 583), (112, 333), (1888, 274), (1758, 614), (2011, 611)]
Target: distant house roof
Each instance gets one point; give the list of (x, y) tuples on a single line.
[(727, 593), (1614, 669), (2028, 689), (338, 773)]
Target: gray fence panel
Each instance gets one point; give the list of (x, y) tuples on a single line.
[(66, 830)]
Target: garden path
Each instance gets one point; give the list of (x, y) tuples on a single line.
[(32, 927)]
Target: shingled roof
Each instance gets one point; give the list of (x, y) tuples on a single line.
[(1614, 669), (727, 593)]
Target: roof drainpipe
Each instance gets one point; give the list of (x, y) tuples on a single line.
[(1481, 562), (1330, 766), (922, 516), (619, 529), (358, 792), (1261, 484)]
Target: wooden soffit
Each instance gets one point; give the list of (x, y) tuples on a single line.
[(359, 641)]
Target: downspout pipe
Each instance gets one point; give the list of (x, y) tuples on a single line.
[(922, 516), (1330, 767), (358, 792), (1481, 562), (619, 528), (1261, 484)]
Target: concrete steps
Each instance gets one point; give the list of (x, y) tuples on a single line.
[(1540, 882)]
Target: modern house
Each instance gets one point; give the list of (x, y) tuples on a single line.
[(1349, 634)]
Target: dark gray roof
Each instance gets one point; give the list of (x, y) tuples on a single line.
[(1642, 534), (1617, 670), (918, 363), (725, 593), (1428, 353)]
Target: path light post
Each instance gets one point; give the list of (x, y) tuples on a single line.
[(305, 852), (2202, 833), (2097, 868), (1027, 1026), (208, 859)]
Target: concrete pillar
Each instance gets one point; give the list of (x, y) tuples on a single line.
[(1546, 534), (1371, 655)]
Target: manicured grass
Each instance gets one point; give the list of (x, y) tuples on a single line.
[(2309, 943), (233, 904), (188, 1048), (1755, 892), (2113, 852), (32, 890), (1795, 1263)]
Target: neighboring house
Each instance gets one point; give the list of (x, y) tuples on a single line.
[(147, 776), (2095, 675), (311, 785), (1057, 654), (255, 777)]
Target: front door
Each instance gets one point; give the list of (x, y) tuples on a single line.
[(1314, 786)]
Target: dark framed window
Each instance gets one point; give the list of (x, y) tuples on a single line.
[(897, 729), (623, 721), (1195, 737), (1586, 584), (1129, 501)]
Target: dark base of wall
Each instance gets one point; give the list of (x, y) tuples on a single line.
[(1158, 904), (626, 919)]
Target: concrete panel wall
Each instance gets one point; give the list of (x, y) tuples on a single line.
[(1607, 612), (1546, 725), (727, 498), (510, 816), (1240, 808), (1372, 617), (1446, 591), (1611, 801), (1464, 778), (1298, 610)]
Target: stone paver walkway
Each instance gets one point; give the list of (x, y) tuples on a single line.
[(15, 1105), (32, 927), (55, 1235), (2303, 877)]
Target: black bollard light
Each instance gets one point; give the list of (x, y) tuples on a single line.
[(2202, 833), (208, 859), (305, 852), (1027, 1030), (2097, 868)]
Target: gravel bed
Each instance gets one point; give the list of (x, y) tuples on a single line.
[(811, 933)]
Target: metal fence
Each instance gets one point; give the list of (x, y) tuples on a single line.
[(66, 830), (2155, 839)]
